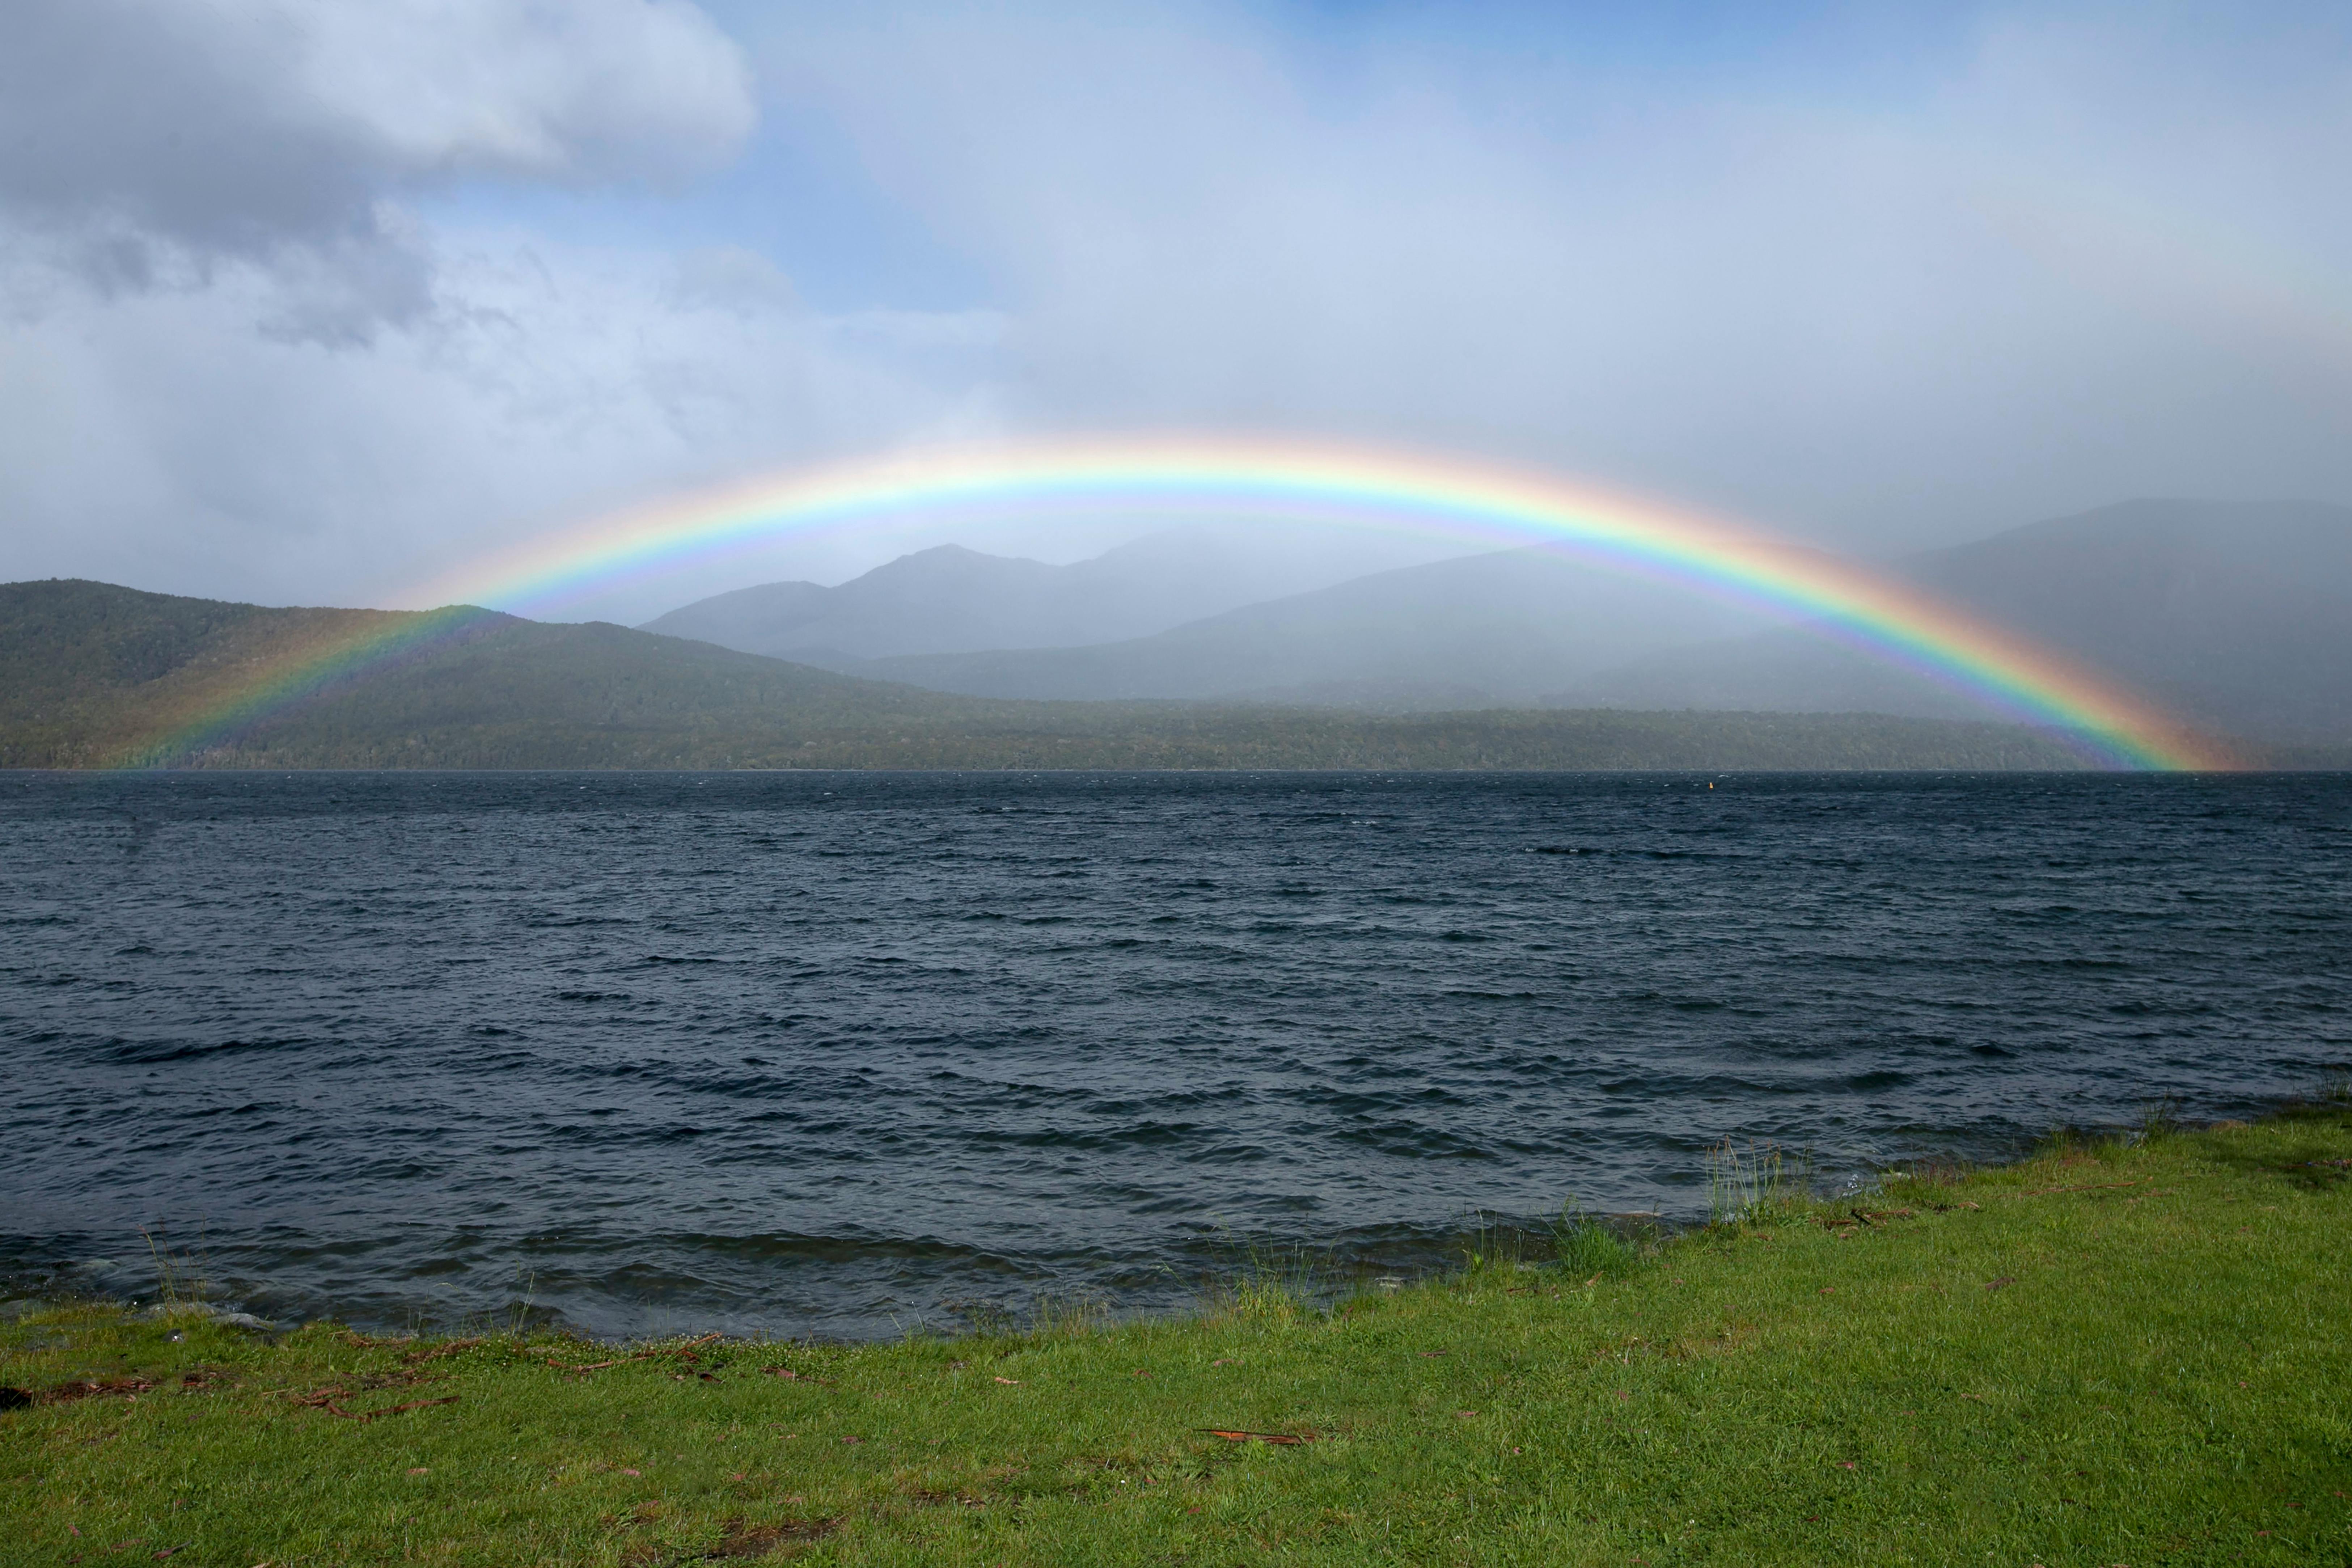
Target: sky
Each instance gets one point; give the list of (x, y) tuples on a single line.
[(304, 301)]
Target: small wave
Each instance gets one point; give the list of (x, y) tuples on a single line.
[(154, 1053), (844, 1093)]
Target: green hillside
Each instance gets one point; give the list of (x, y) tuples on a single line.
[(92, 674)]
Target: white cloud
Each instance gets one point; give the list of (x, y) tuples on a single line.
[(1804, 299), (160, 440), (2074, 257), (142, 145), (241, 365), (730, 277), (583, 91)]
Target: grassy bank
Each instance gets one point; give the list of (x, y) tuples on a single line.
[(2129, 1352)]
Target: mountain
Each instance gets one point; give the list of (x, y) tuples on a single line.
[(1473, 631), (92, 675), (949, 599), (2235, 616)]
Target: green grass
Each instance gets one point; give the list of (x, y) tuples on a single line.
[(2111, 1354)]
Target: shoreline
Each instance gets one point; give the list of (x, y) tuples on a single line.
[(1319, 1273), (2117, 1349)]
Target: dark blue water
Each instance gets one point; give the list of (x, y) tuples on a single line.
[(827, 1053)]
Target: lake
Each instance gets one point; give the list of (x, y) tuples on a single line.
[(844, 1054)]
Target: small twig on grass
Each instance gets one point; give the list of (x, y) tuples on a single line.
[(1282, 1439), (654, 1355), (417, 1358), (324, 1399), (65, 1392), (785, 1372)]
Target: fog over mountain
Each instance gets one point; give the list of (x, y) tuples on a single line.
[(1473, 631), (2235, 616), (95, 674), (950, 600)]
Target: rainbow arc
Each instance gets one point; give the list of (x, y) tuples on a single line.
[(1268, 482)]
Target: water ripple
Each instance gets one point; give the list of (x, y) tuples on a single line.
[(837, 1054)]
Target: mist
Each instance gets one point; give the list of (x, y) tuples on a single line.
[(351, 295)]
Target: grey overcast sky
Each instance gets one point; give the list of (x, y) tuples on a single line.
[(304, 300)]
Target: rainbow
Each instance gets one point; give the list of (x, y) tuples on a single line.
[(1479, 502)]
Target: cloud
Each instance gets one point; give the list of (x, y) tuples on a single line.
[(242, 364), (161, 441), (289, 309), (730, 277), (1800, 291), (149, 143)]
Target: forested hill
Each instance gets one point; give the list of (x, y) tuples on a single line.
[(90, 672)]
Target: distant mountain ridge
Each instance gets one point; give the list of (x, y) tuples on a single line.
[(2235, 616), (90, 673), (951, 600), (1473, 631)]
